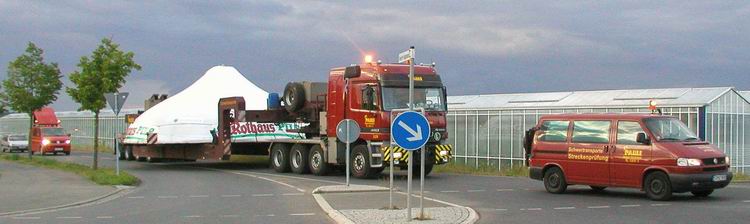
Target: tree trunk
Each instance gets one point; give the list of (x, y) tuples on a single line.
[(96, 140), (31, 124)]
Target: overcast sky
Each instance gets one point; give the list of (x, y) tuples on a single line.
[(479, 47)]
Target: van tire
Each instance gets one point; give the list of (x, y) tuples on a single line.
[(280, 157), (317, 162), (657, 186), (702, 194), (294, 97), (298, 162), (554, 181)]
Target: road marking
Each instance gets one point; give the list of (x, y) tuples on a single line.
[(746, 201), (531, 209), (69, 217), (169, 196), (104, 217), (136, 197), (193, 216), (501, 209), (292, 194), (505, 190), (259, 177), (597, 207), (262, 195), (564, 208), (629, 206), (302, 214), (472, 191), (449, 191), (27, 217), (198, 196), (527, 189), (269, 215), (657, 205), (230, 195), (230, 216)]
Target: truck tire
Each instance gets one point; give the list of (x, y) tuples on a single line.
[(360, 159), (294, 97), (298, 162), (554, 181), (280, 157), (427, 169), (657, 186), (318, 165), (129, 153)]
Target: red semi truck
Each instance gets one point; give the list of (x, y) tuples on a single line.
[(47, 136), (369, 93)]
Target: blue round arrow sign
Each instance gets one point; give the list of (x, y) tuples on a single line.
[(410, 130)]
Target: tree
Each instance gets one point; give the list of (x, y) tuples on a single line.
[(31, 83), (101, 73)]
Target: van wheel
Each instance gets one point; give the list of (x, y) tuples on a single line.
[(318, 165), (299, 158), (280, 157), (554, 181), (597, 188), (360, 163), (702, 194), (67, 153), (658, 187)]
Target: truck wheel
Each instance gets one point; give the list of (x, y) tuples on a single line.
[(318, 165), (299, 160), (427, 169), (702, 194), (280, 157), (657, 186), (360, 159), (554, 181), (294, 96), (129, 153)]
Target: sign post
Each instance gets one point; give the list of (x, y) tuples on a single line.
[(115, 101), (410, 130), (348, 132)]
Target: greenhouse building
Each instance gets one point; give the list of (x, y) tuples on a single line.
[(487, 130)]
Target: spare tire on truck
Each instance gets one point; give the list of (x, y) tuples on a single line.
[(294, 97)]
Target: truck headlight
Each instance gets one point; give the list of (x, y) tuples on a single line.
[(397, 155), (443, 153), (688, 162), (45, 142)]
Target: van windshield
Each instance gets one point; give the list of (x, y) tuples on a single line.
[(17, 138), (53, 131), (670, 129)]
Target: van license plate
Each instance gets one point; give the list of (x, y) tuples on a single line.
[(718, 178), (61, 149)]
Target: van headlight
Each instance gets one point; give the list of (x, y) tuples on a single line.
[(45, 142), (688, 162), (726, 160), (67, 141)]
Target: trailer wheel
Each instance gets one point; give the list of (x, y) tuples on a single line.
[(318, 165), (280, 157), (299, 153), (294, 96), (360, 159), (129, 153)]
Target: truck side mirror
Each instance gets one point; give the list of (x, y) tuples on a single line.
[(352, 72), (641, 138)]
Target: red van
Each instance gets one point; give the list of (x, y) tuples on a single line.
[(47, 136), (655, 153)]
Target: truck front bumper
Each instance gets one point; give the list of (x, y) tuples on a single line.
[(699, 181), (437, 154)]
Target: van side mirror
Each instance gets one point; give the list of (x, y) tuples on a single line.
[(641, 138), (352, 71)]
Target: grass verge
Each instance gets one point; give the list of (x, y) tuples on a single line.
[(517, 171), (740, 177), (101, 176), (90, 148)]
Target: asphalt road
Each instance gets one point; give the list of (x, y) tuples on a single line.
[(215, 192)]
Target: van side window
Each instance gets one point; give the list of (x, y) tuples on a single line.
[(627, 132), (591, 131), (554, 131)]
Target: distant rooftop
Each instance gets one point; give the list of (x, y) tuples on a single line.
[(745, 94), (675, 97)]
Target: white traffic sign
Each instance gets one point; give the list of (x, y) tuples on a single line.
[(116, 100), (406, 55), (410, 130), (347, 131)]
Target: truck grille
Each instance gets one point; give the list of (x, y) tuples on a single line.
[(714, 161), (710, 169)]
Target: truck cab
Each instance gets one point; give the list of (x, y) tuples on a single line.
[(655, 153), (47, 136)]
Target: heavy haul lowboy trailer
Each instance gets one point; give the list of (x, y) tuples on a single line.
[(298, 131)]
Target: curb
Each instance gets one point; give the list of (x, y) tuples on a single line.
[(333, 213), (321, 190), (473, 215), (118, 190)]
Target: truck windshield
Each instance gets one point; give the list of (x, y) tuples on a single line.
[(432, 99), (17, 138), (670, 129), (53, 131)]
